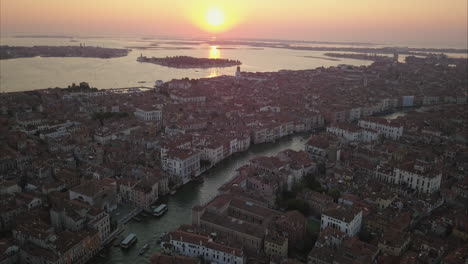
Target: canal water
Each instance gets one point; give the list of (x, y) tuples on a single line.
[(180, 204)]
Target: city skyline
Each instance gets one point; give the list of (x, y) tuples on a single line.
[(417, 22)]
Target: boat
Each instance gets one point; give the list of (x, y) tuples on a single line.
[(129, 241), (143, 249), (160, 210)]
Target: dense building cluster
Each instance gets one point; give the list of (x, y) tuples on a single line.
[(366, 189)]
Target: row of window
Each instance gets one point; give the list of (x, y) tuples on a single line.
[(195, 250)]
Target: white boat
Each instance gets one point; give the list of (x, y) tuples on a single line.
[(160, 210), (128, 241)]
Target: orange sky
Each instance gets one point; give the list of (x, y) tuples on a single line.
[(396, 21)]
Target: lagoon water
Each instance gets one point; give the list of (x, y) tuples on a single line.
[(39, 73)]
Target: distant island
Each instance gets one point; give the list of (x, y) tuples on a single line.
[(189, 62), (13, 52), (358, 56), (361, 49), (321, 58)]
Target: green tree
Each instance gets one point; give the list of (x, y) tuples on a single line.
[(300, 205), (311, 183), (335, 193)]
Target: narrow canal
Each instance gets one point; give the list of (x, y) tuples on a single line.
[(180, 204)]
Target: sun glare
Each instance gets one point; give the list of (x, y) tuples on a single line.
[(215, 17), (213, 73), (214, 52)]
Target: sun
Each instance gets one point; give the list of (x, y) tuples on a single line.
[(215, 17)]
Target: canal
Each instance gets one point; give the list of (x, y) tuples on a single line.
[(181, 203)]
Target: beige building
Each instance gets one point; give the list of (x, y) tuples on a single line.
[(275, 245)]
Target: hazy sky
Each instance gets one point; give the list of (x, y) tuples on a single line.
[(435, 22)]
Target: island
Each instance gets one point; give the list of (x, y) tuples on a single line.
[(189, 62), (358, 56), (14, 52)]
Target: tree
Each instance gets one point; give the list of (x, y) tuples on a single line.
[(335, 193), (311, 183), (23, 181), (365, 235), (309, 242), (84, 85), (300, 205)]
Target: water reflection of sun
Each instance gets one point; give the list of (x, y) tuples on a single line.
[(213, 73), (215, 53)]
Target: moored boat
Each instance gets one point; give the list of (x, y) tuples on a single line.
[(160, 210), (129, 241)]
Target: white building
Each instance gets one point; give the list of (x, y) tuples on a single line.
[(181, 163), (317, 146), (194, 245), (233, 146), (417, 178), (425, 182), (351, 132), (103, 136), (311, 121), (188, 98), (354, 113), (347, 131), (347, 219), (238, 72), (383, 126), (243, 142), (213, 152), (148, 114)]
